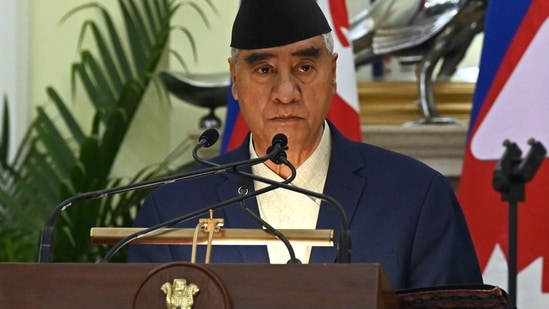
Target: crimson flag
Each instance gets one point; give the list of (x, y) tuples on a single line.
[(510, 103)]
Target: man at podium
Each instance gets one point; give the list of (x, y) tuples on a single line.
[(401, 213)]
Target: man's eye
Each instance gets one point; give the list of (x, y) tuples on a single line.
[(264, 70), (305, 68)]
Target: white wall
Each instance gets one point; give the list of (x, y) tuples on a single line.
[(14, 66)]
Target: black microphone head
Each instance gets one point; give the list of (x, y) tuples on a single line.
[(280, 139), (208, 137)]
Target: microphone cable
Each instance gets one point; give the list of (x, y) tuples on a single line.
[(206, 139), (278, 147), (114, 249), (293, 259), (280, 144)]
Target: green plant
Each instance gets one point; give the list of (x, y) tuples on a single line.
[(52, 165)]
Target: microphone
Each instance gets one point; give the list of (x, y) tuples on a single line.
[(207, 139), (281, 141), (279, 144)]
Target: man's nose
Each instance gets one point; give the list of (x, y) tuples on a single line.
[(286, 89)]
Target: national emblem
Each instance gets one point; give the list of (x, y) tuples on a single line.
[(179, 295)]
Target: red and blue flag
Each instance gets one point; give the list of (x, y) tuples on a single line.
[(511, 102)]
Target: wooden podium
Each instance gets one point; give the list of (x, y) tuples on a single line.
[(117, 285)]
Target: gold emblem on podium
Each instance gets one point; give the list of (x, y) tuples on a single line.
[(179, 294)]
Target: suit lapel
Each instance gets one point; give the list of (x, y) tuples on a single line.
[(345, 186)]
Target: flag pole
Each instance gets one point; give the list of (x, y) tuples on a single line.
[(510, 177)]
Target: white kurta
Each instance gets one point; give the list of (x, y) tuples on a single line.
[(285, 209)]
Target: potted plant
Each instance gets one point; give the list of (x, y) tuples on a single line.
[(58, 158)]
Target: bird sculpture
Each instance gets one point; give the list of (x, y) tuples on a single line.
[(420, 32)]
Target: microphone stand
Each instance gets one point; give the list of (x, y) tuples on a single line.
[(265, 224), (47, 237), (510, 176), (293, 259), (345, 242), (274, 152), (176, 220)]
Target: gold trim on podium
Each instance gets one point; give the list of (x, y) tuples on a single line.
[(226, 236)]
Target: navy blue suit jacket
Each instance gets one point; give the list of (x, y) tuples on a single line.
[(402, 214)]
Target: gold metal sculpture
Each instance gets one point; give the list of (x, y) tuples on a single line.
[(179, 295)]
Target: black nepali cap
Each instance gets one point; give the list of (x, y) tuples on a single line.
[(271, 23)]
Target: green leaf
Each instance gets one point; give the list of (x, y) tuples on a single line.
[(71, 123), (56, 146), (119, 55), (140, 23), (154, 21), (5, 135), (192, 43), (95, 84), (106, 57), (42, 179), (90, 157), (199, 11), (135, 38), (24, 216)]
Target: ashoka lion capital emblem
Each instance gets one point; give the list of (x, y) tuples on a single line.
[(179, 295)]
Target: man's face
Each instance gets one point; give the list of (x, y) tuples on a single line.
[(285, 89)]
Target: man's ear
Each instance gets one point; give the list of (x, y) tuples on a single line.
[(334, 71), (233, 78), (233, 91), (334, 63), (232, 69)]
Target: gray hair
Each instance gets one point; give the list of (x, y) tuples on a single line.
[(327, 39)]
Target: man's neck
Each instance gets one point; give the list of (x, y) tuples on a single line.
[(296, 156)]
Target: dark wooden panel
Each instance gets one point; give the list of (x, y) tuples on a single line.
[(247, 285)]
